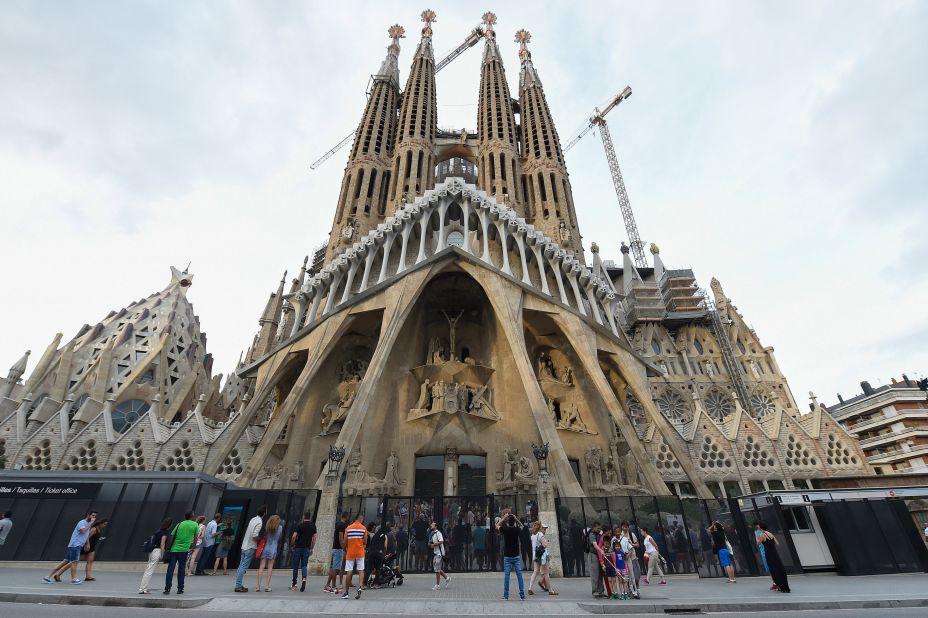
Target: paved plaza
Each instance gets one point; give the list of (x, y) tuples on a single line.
[(467, 594)]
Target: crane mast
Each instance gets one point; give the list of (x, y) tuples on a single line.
[(598, 119), (472, 39)]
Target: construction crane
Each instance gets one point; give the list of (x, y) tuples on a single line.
[(598, 119), (472, 39)]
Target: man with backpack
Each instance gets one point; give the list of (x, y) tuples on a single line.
[(178, 545), (437, 543), (154, 547)]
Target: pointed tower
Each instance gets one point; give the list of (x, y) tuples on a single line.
[(362, 202), (269, 321), (499, 170), (12, 378), (414, 157), (549, 200)]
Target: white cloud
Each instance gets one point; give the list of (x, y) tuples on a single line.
[(778, 147)]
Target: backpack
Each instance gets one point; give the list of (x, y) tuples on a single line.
[(149, 545)]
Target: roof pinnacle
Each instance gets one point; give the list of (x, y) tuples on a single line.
[(523, 37), (489, 19), (396, 32), (428, 17)]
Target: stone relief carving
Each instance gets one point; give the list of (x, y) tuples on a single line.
[(451, 384), (613, 472), (335, 412), (518, 472), (565, 403), (359, 482)]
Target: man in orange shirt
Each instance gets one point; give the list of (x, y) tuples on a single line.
[(355, 542)]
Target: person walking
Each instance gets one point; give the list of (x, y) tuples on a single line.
[(194, 556), (355, 541), (541, 558), (336, 567), (224, 546), (78, 538), (437, 544), (179, 543), (89, 550), (303, 540), (249, 546), (722, 549), (155, 547), (210, 541), (273, 532), (591, 537), (654, 557), (774, 563), (509, 529), (6, 525)]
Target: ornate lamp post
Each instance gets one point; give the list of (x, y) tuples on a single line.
[(541, 455)]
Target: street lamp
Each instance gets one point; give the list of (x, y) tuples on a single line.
[(336, 455)]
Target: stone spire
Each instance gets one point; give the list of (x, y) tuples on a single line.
[(362, 202), (413, 169), (269, 321), (499, 170), (548, 196), (16, 372)]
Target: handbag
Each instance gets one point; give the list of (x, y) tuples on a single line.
[(260, 549)]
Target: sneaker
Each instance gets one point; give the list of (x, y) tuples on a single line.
[(436, 587), (447, 581), (303, 586), (77, 582), (166, 591), (345, 596), (505, 598), (293, 588), (180, 592), (48, 580), (358, 595), (663, 582), (241, 589), (647, 581), (522, 596)]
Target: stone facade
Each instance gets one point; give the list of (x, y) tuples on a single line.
[(456, 319)]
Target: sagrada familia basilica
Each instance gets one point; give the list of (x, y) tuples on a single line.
[(454, 317)]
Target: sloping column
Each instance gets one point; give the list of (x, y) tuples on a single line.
[(638, 385), (320, 345), (583, 342), (506, 300)]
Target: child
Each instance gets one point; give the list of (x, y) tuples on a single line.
[(607, 562), (621, 570)]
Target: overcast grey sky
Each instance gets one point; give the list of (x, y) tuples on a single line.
[(779, 146)]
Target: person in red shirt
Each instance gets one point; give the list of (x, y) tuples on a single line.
[(355, 542)]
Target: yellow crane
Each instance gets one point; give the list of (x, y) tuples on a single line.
[(598, 119)]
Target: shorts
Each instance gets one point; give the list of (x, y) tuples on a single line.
[(436, 563), (351, 564), (623, 571), (610, 570), (222, 551), (74, 554), (725, 558), (337, 556)]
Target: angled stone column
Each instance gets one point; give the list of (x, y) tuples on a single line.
[(506, 300)]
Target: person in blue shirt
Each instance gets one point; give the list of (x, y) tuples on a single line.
[(78, 538)]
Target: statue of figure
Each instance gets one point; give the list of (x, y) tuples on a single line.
[(526, 471), (632, 470), (710, 369), (754, 369), (436, 351), (510, 464), (570, 417), (546, 367), (612, 472), (297, 475), (425, 396), (567, 376), (392, 475), (594, 458), (438, 395), (563, 233), (347, 389), (664, 369)]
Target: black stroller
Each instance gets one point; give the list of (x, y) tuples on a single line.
[(384, 572)]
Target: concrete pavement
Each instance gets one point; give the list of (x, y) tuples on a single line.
[(468, 594)]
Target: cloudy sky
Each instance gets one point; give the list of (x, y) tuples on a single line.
[(780, 147)]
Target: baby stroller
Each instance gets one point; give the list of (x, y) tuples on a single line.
[(385, 573)]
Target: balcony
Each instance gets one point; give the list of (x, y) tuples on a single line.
[(892, 436), (897, 454), (873, 423)]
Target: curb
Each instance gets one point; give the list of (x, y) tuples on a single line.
[(775, 606), (145, 601)]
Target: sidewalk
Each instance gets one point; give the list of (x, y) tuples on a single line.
[(467, 594)]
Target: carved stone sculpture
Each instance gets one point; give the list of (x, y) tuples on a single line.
[(518, 472), (333, 413), (594, 466), (510, 464)]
